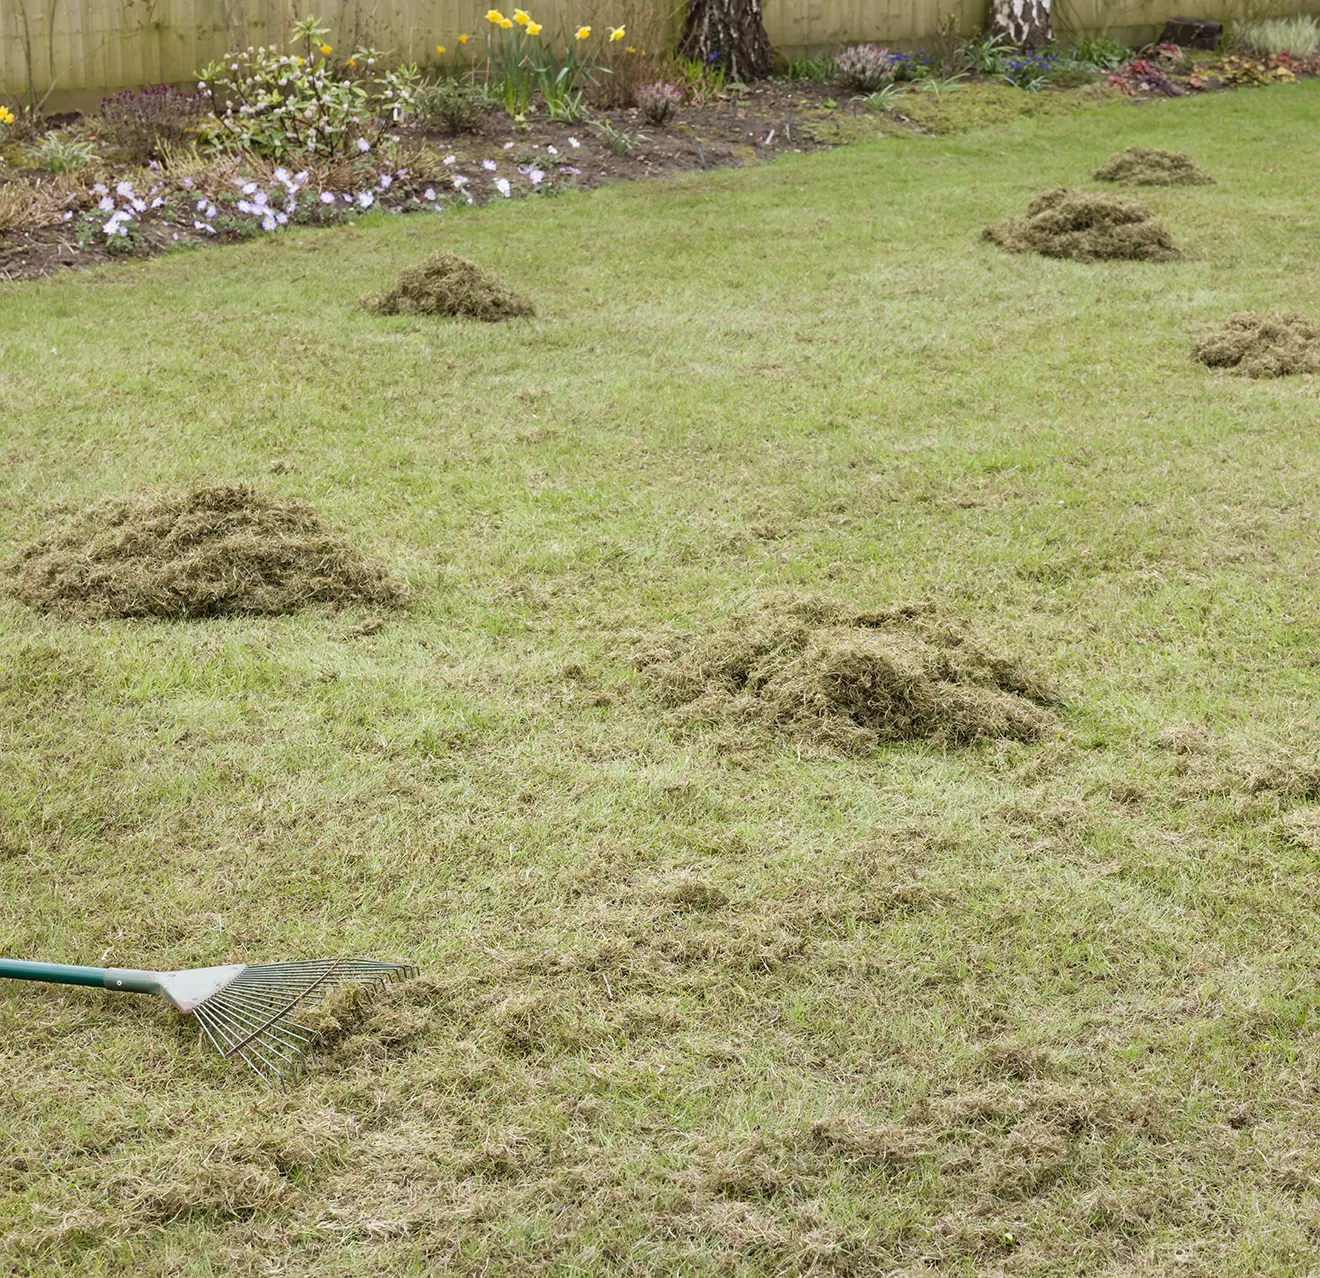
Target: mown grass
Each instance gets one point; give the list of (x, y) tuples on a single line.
[(1031, 1008)]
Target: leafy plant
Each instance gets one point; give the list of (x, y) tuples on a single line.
[(817, 70), (62, 155), (1103, 52), (883, 98), (659, 101), (279, 104), (937, 84), (620, 141), (566, 107), (1299, 36), (146, 123), (450, 106), (700, 82), (865, 67), (985, 55)]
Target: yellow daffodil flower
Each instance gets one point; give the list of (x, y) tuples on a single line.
[(440, 49), (6, 115), (462, 39), (521, 17), (582, 33), (298, 60), (352, 62), (495, 16), (631, 49), (533, 28), (506, 24), (616, 33), (326, 50)]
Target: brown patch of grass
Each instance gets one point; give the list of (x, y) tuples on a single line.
[(1150, 166), (213, 551), (446, 284), (862, 1144), (1083, 227), (849, 680), (1257, 344)]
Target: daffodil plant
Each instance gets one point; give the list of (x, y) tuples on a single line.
[(523, 64)]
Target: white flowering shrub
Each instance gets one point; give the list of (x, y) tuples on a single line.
[(280, 104)]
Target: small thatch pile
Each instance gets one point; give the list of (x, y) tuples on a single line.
[(848, 680), (446, 284), (1149, 166), (210, 552), (1264, 345), (1085, 228)]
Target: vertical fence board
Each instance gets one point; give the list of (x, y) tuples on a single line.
[(99, 46)]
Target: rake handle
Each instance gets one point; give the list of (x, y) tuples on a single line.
[(123, 980)]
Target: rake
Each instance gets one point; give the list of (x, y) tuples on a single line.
[(246, 1010)]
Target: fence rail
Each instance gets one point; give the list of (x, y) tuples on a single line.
[(71, 52)]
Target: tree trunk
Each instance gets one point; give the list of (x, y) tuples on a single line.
[(730, 33), (1025, 23)]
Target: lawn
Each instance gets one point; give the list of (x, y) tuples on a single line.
[(690, 1006)]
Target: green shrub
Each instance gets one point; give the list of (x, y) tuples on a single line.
[(450, 106)]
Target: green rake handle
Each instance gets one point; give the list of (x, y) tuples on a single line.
[(122, 979)]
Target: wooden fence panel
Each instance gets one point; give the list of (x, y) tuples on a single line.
[(87, 48)]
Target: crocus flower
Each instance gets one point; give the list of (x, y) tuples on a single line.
[(536, 177), (570, 170), (365, 199), (106, 204), (574, 143), (429, 193), (249, 188), (327, 197), (124, 188), (451, 159), (363, 145), (502, 186), (100, 189), (385, 181), (489, 165)]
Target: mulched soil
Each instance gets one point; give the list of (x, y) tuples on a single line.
[(767, 120)]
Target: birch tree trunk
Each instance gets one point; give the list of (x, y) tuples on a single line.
[(730, 33), (1025, 23)]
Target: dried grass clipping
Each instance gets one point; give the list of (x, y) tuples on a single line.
[(210, 552), (1264, 345), (446, 284), (1084, 227), (848, 680), (1149, 166)]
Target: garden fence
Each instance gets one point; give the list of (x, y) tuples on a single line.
[(71, 52)]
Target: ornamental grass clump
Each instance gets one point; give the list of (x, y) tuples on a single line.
[(821, 671), (213, 551), (1264, 345), (1083, 227), (1150, 166), (446, 284)]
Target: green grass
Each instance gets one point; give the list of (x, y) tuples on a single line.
[(1054, 1004)]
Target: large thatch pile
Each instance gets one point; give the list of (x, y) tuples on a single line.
[(446, 284), (823, 671), (1085, 227), (205, 553), (1264, 345), (1150, 166)]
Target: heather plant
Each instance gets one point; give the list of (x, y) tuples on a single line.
[(145, 124), (659, 101), (865, 67), (278, 104)]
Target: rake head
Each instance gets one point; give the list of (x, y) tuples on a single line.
[(252, 1011)]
